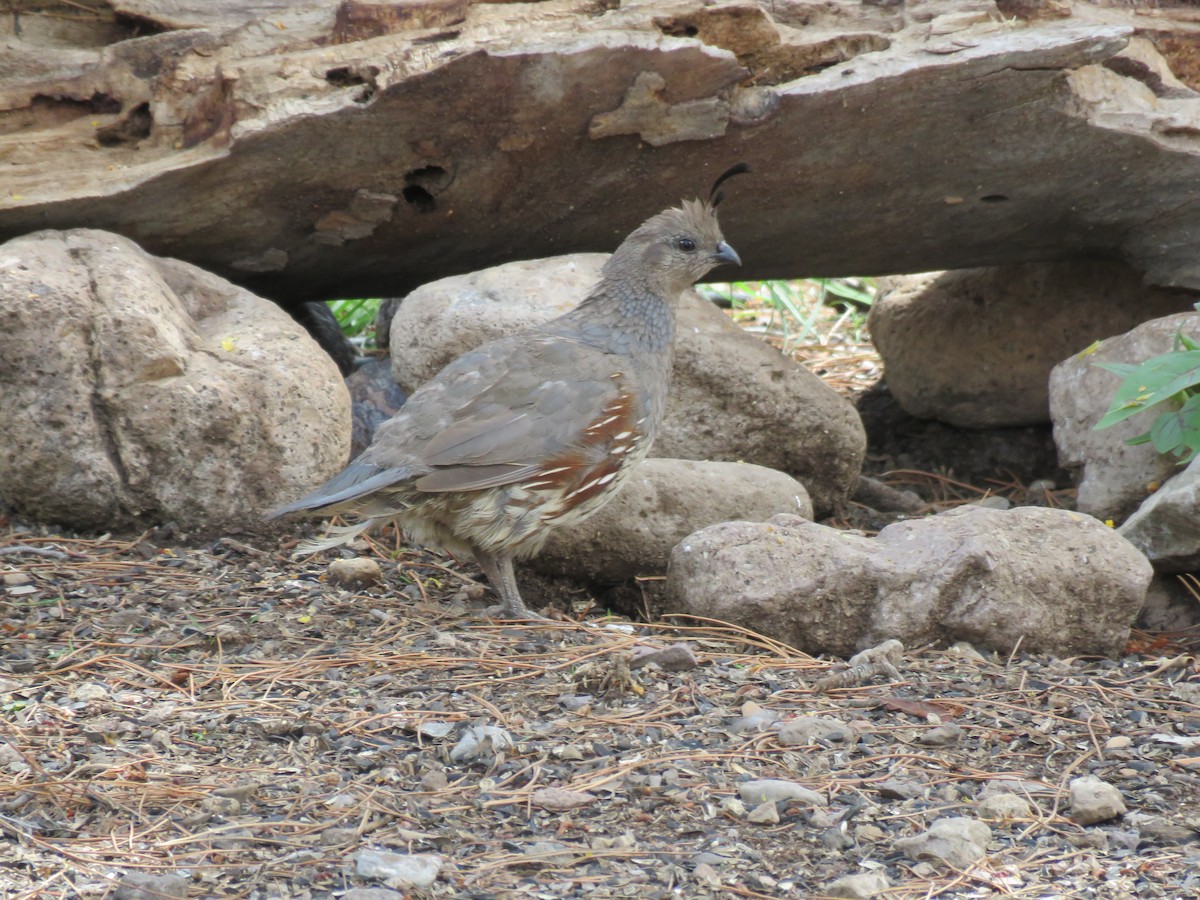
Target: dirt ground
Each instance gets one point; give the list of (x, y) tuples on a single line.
[(220, 720)]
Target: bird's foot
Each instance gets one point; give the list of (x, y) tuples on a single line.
[(513, 611)]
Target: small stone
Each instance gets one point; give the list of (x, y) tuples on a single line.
[(955, 841), (1093, 800), (773, 790), (559, 799), (372, 893), (355, 572), (140, 886), (398, 870), (965, 650), (1004, 806), (676, 658), (89, 691), (899, 789), (221, 806), (941, 736), (481, 742), (1118, 742), (734, 807), (754, 719), (764, 814), (16, 579), (706, 873), (862, 886), (337, 835), (434, 780), (806, 730), (869, 834)]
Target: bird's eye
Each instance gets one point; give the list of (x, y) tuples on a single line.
[(687, 245)]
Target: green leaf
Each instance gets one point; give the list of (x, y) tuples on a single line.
[(1178, 432), (1122, 369), (1143, 438), (1182, 340), (1157, 379)]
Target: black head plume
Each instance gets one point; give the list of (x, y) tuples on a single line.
[(714, 196)]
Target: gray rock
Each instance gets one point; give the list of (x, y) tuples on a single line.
[(140, 390), (941, 736), (372, 894), (1166, 527), (1114, 477), (733, 397), (1169, 606), (1011, 326), (143, 886), (773, 790), (763, 814), (862, 886), (1094, 800), (660, 504), (381, 173), (675, 658), (481, 742), (403, 871), (1051, 580), (810, 729), (954, 841), (1004, 806)]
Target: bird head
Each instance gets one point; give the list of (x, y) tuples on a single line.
[(673, 250)]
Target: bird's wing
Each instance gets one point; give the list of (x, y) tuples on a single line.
[(357, 480), (498, 414)]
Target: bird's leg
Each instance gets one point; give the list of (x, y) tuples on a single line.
[(499, 572)]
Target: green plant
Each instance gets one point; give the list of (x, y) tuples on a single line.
[(355, 316), (809, 310), (1170, 381)]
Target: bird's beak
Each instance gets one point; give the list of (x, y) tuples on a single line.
[(726, 254)]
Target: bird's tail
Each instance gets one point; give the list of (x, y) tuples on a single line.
[(335, 536)]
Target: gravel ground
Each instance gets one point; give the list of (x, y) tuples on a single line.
[(223, 721)]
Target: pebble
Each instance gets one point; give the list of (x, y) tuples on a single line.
[(16, 579), (764, 814), (402, 871), (1118, 742), (773, 790), (481, 742), (862, 886), (954, 840), (355, 572), (965, 650), (1004, 806), (941, 736), (89, 691), (1094, 800), (139, 886), (806, 730), (434, 780), (754, 719), (559, 799), (676, 658)]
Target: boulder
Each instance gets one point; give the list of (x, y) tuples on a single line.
[(733, 397), (335, 147), (141, 390), (1114, 476), (974, 347), (1166, 527), (663, 502), (1046, 580)]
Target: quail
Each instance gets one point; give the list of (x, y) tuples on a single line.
[(539, 429)]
